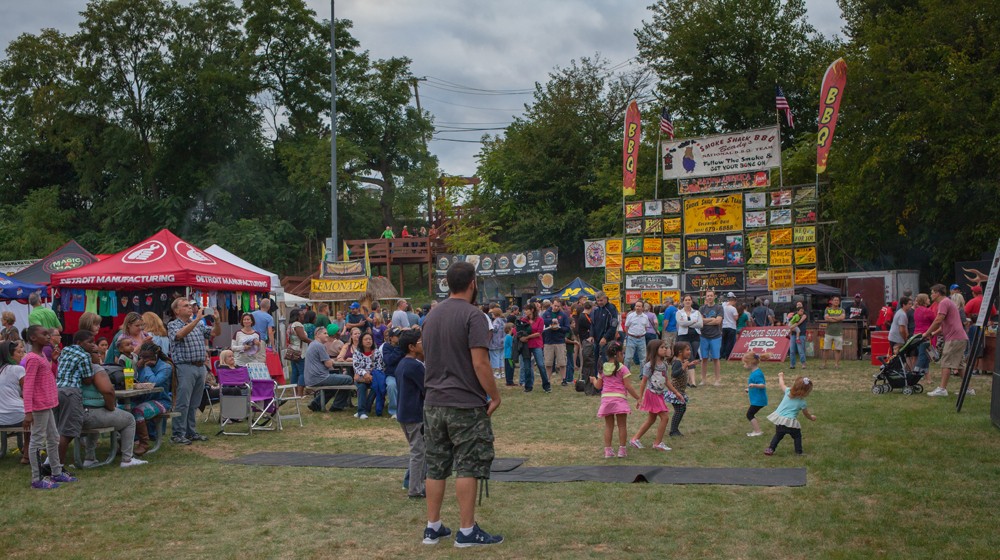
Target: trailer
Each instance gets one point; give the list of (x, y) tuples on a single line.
[(876, 287)]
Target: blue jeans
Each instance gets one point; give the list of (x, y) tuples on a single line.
[(366, 397), (508, 367), (379, 387), (923, 357), (342, 399), (391, 393), (635, 348), (527, 375), (298, 373), (797, 345), (189, 378), (569, 366)]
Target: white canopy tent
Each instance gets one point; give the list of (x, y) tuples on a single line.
[(230, 258)]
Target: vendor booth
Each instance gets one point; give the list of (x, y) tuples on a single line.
[(68, 257), (14, 298), (572, 291), (147, 277)]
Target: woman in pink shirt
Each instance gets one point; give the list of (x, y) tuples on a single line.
[(533, 344), (40, 400), (923, 316)]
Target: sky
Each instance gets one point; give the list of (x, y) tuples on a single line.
[(503, 47)]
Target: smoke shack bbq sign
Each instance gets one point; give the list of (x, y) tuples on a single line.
[(738, 152)]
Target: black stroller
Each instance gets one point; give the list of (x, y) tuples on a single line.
[(895, 373)]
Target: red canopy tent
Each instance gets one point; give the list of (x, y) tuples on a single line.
[(164, 260)]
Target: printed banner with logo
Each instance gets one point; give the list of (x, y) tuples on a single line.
[(652, 282), (829, 105), (594, 253), (714, 214), (770, 343), (806, 276), (805, 234), (713, 251), (757, 278), (342, 285), (630, 148), (720, 183), (780, 278), (503, 264), (719, 281), (737, 152), (757, 248), (613, 291), (342, 268), (671, 253)]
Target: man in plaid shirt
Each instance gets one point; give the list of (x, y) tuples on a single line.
[(188, 350), (75, 368)]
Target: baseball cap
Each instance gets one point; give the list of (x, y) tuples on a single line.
[(395, 331), (332, 329), (953, 287), (977, 289), (731, 295), (355, 305), (857, 295)]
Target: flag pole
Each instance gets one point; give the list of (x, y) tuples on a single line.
[(781, 174), (656, 185)]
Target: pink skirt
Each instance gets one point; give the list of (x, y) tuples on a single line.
[(651, 402), (613, 405)]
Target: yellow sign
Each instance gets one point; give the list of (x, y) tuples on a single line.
[(613, 291), (651, 296), (675, 294), (340, 285), (613, 246), (805, 276), (633, 210), (781, 257), (805, 255), (781, 278), (653, 245), (672, 253), (781, 236), (757, 278), (671, 225), (805, 234), (652, 264), (714, 214), (613, 261), (757, 248), (613, 275), (633, 264)]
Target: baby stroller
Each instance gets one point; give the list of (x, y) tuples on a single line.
[(895, 373)]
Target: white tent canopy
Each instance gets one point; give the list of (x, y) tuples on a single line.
[(230, 258)]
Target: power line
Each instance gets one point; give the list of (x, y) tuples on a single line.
[(468, 92), (471, 107), (460, 86), (456, 140)]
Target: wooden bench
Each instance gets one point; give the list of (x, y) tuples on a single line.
[(18, 431), (323, 388), (113, 434)]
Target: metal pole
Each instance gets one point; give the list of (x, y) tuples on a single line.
[(430, 203), (781, 173), (656, 184), (333, 131)]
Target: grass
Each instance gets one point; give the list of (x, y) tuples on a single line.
[(889, 476)]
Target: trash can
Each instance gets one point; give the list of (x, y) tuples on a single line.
[(880, 346)]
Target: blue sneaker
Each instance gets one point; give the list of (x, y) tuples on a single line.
[(478, 537), (64, 476), (44, 484), (432, 537)]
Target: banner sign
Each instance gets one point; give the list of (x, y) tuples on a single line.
[(613, 291), (651, 297), (757, 248), (781, 236), (713, 251), (830, 96), (719, 281), (343, 268), (671, 225), (342, 285), (770, 343), (630, 148), (613, 275), (503, 264), (652, 245), (719, 183), (713, 214), (633, 264), (737, 152), (671, 253), (652, 207), (806, 276), (652, 282), (633, 209), (594, 254), (633, 245), (781, 257), (780, 278), (652, 225), (805, 234), (652, 264), (674, 295), (613, 261), (805, 255), (613, 246), (757, 278), (632, 296)]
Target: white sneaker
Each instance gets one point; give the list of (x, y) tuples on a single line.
[(133, 462), (939, 392), (356, 415), (754, 434), (89, 463), (363, 417), (970, 392), (393, 417)]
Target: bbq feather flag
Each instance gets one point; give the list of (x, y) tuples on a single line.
[(781, 104)]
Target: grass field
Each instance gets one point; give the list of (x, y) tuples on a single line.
[(889, 476)]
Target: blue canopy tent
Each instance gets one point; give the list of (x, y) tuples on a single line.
[(11, 289), (572, 291)]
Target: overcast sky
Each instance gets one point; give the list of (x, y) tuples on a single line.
[(481, 44)]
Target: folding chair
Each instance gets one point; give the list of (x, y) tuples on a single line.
[(234, 400), (263, 398)]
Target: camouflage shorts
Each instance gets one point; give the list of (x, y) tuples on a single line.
[(459, 437)]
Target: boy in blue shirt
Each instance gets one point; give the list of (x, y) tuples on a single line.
[(410, 410), (756, 391), (508, 359)]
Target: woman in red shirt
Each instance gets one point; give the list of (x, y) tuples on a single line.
[(923, 316), (533, 345)]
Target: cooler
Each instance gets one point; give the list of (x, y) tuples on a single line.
[(880, 346)]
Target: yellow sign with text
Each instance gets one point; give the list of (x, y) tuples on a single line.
[(804, 276), (651, 297), (633, 264), (781, 278), (613, 275), (781, 257), (340, 285), (805, 255), (613, 246), (613, 291), (715, 214), (673, 294), (652, 264)]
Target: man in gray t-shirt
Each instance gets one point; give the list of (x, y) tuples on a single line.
[(711, 336), (899, 331), (461, 395), (399, 318), (317, 374)]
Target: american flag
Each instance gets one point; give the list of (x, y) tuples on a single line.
[(666, 125), (782, 104)]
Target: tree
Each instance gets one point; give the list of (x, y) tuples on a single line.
[(719, 61)]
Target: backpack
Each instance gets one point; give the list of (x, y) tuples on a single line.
[(522, 327)]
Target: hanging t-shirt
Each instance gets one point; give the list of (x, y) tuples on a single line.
[(91, 305), (103, 304), (112, 304)]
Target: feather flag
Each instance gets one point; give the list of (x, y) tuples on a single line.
[(347, 252), (630, 148), (829, 106), (368, 262)]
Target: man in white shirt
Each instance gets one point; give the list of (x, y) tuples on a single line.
[(636, 324), (729, 318), (399, 317)]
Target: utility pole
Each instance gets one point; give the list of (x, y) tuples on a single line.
[(430, 186), (333, 132)]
